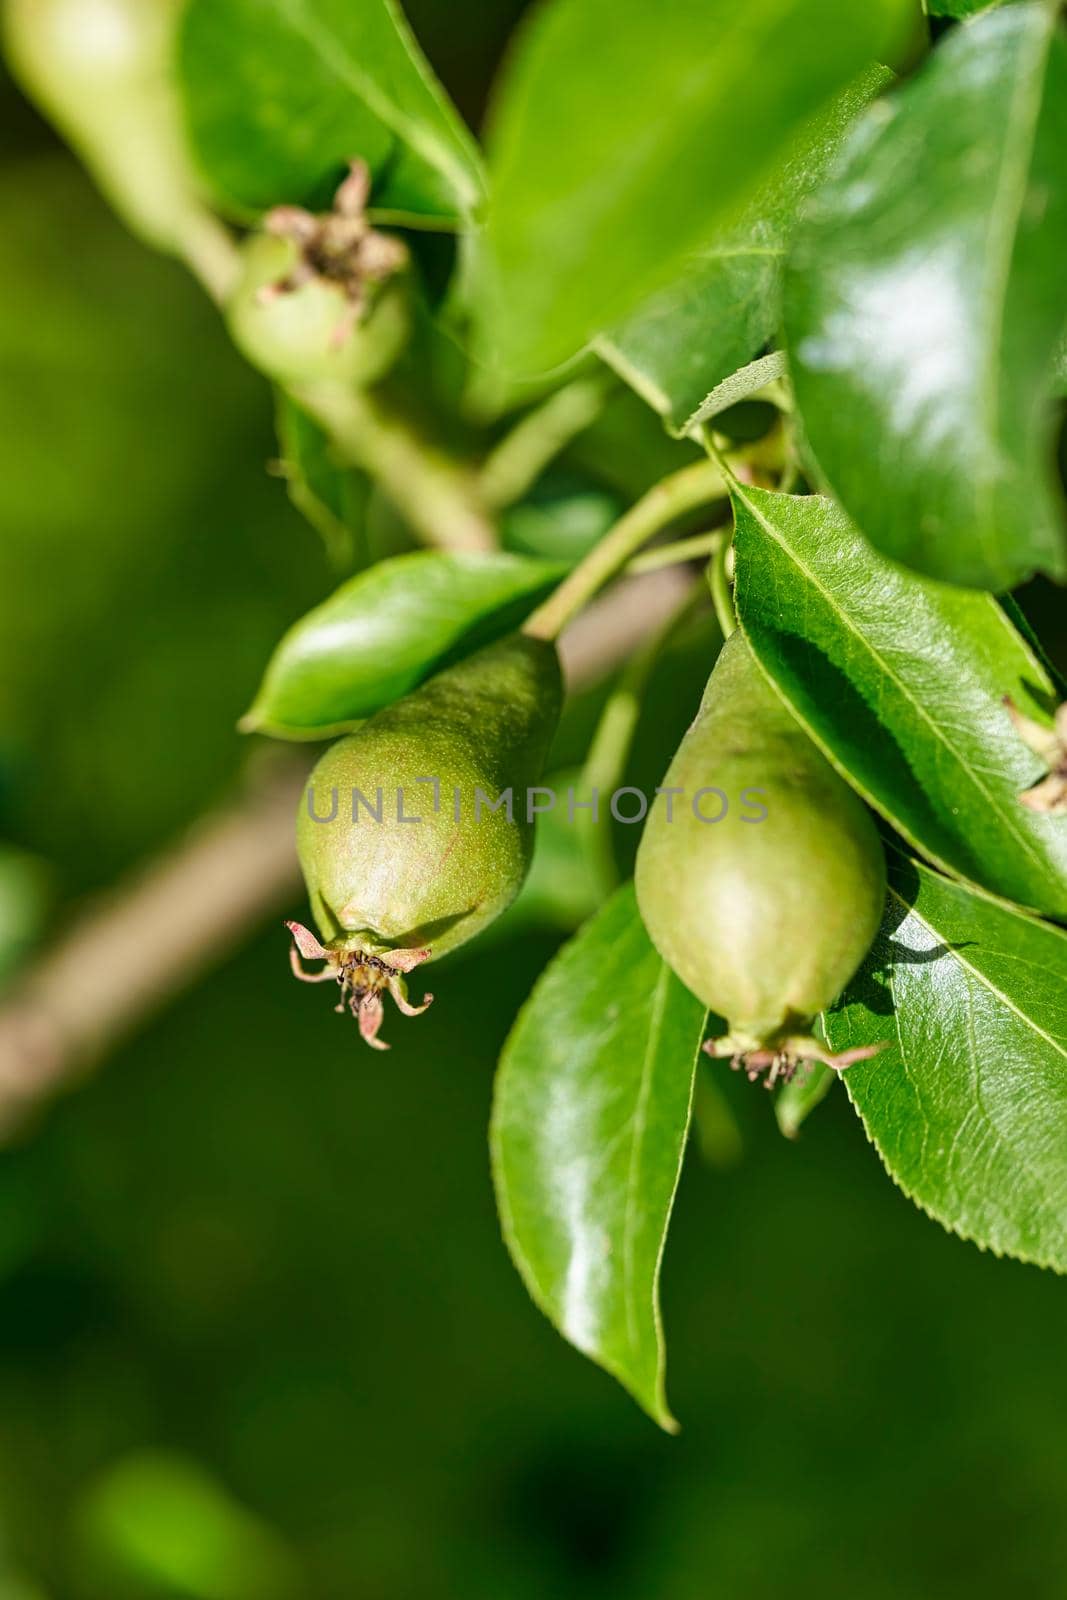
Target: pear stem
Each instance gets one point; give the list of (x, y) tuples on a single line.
[(671, 555), (612, 741), (518, 460), (683, 491), (437, 494), (719, 584)]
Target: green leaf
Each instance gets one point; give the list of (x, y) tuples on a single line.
[(967, 1105), (562, 517), (384, 631), (331, 495), (960, 8), (924, 302), (156, 1523), (589, 1126), (625, 135), (901, 681), (691, 337), (741, 385), (280, 94)]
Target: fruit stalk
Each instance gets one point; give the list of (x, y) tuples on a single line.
[(683, 491), (437, 494)]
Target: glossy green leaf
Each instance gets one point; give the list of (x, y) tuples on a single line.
[(589, 1126), (967, 1104), (683, 343), (331, 495), (280, 94), (385, 630), (625, 135), (924, 303), (901, 681)]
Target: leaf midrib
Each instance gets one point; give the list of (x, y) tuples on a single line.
[(968, 771), (638, 1128), (976, 972)]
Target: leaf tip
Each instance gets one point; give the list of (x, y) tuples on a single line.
[(668, 1422)]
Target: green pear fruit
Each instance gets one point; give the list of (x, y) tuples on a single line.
[(415, 831), (762, 880), (299, 328)]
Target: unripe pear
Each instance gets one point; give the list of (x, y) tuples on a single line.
[(403, 853), (311, 331), (766, 913)]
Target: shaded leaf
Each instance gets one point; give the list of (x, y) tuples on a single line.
[(562, 517), (589, 1126), (615, 140), (689, 338), (280, 94), (924, 302), (901, 680), (385, 630), (967, 1105), (1019, 620)]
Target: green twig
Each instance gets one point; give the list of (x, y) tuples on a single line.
[(438, 495), (683, 491), (672, 555), (611, 744), (515, 464), (719, 582), (210, 252)]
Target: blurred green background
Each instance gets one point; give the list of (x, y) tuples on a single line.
[(258, 1334)]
